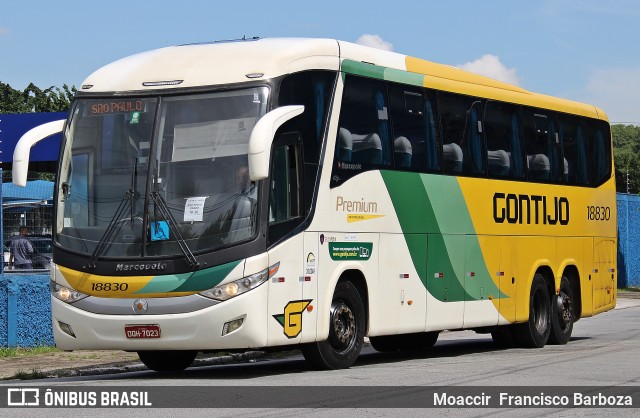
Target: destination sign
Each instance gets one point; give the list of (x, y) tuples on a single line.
[(119, 106)]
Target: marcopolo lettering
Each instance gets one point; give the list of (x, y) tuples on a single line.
[(530, 209), (140, 266)]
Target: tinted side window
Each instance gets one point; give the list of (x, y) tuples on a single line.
[(313, 90), (542, 145), (285, 187), (363, 141), (504, 140), (573, 136), (599, 135), (414, 129), (463, 150)]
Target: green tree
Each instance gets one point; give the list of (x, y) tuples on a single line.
[(34, 99), (626, 149)]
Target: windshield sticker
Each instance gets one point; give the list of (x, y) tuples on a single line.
[(350, 250), (159, 231), (194, 209), (135, 118)]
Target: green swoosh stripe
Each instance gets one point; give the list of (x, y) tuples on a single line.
[(426, 205), (190, 282)]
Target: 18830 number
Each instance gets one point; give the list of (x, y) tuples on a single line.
[(109, 287), (598, 213)]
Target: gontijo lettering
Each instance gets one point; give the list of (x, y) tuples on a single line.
[(530, 209)]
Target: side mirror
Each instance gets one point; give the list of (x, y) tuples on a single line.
[(23, 149), (262, 138)]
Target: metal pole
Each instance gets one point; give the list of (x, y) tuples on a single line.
[(627, 180)]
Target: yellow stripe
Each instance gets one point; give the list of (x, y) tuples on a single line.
[(455, 80), (357, 217), (106, 286)]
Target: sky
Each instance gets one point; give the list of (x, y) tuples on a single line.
[(585, 50)]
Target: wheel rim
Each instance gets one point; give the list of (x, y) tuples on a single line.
[(565, 310), (540, 312), (343, 326)]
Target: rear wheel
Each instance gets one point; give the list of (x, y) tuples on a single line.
[(346, 331), (167, 361), (535, 332), (562, 315)]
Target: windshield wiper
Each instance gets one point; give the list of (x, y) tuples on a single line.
[(128, 197), (160, 203), (111, 228)]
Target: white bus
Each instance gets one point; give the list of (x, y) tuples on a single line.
[(311, 192)]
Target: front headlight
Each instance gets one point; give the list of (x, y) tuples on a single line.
[(65, 294), (237, 287)]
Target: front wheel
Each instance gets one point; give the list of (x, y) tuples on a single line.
[(346, 331), (562, 316), (535, 332), (167, 361)]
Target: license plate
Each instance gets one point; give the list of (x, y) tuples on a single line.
[(142, 331)]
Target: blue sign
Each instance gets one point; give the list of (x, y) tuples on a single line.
[(13, 126), (159, 231)]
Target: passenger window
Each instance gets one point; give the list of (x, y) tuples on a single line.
[(463, 149), (415, 145), (363, 141), (542, 146), (599, 135), (504, 140), (574, 149)]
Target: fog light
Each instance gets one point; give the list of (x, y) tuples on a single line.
[(66, 328), (231, 326)]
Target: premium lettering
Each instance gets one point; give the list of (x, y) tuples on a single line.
[(530, 209), (360, 206)]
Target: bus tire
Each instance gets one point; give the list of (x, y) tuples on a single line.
[(346, 331), (167, 360), (562, 315), (535, 332)]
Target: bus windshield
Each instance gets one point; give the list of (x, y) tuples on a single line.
[(147, 176)]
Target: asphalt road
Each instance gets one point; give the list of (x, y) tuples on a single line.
[(604, 351)]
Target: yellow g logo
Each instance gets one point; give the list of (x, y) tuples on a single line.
[(291, 319)]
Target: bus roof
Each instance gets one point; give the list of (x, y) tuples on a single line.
[(229, 62)]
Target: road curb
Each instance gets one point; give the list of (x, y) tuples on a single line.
[(134, 366)]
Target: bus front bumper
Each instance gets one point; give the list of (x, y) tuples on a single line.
[(198, 330)]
